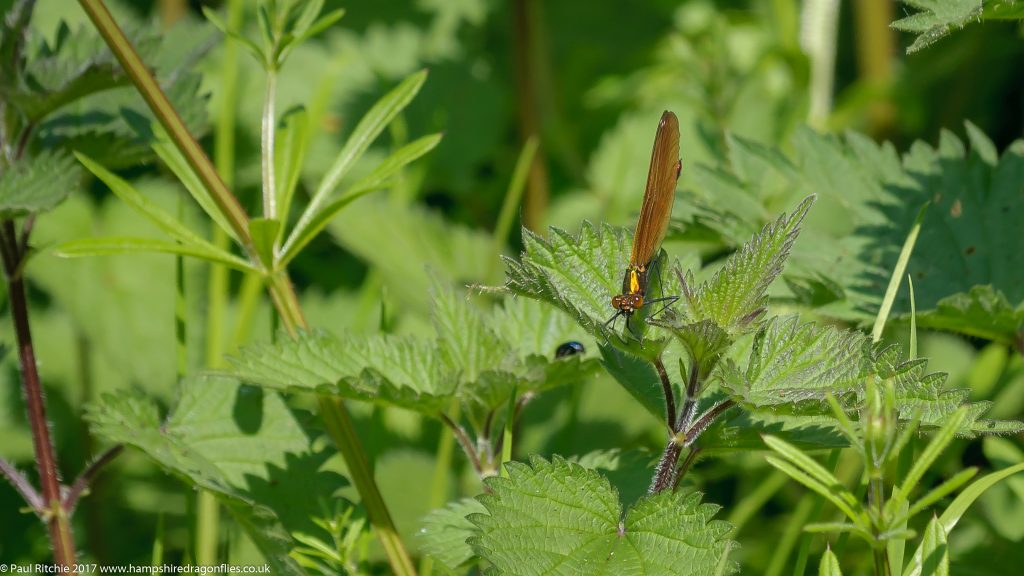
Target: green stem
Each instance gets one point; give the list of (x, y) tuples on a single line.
[(269, 126), (786, 17), (207, 506), (876, 499), (342, 432), (513, 198), (506, 439), (286, 301), (168, 117), (340, 427), (248, 300), (819, 40)]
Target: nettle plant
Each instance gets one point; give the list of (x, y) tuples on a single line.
[(742, 373)]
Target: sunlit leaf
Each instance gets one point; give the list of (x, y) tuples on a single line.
[(670, 533)]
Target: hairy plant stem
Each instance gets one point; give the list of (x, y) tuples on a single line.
[(88, 475), (666, 473), (670, 396), (685, 433), (691, 457), (464, 441), (22, 486), (690, 402), (57, 521)]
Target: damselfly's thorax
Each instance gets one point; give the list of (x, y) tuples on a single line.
[(634, 288)]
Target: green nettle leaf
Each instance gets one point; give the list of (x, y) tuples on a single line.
[(536, 328), (792, 362), (869, 198), (937, 19), (37, 183), (237, 442), (982, 312), (924, 394), (417, 240), (743, 432), (580, 275), (76, 65), (445, 531), (466, 342), (849, 179), (737, 296), (705, 341), (394, 370), (637, 376), (112, 125), (669, 533), (468, 360)]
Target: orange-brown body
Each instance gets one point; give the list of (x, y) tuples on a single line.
[(653, 221)]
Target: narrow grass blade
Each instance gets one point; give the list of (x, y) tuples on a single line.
[(942, 490), (169, 224), (369, 127), (939, 443), (819, 473), (854, 513), (373, 181), (959, 506), (187, 176), (106, 246), (829, 564), (897, 275)]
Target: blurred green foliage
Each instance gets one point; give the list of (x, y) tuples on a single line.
[(735, 75)]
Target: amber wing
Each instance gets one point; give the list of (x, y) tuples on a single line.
[(660, 191)]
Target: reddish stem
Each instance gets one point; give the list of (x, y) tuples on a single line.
[(670, 397), (56, 520), (88, 475)]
